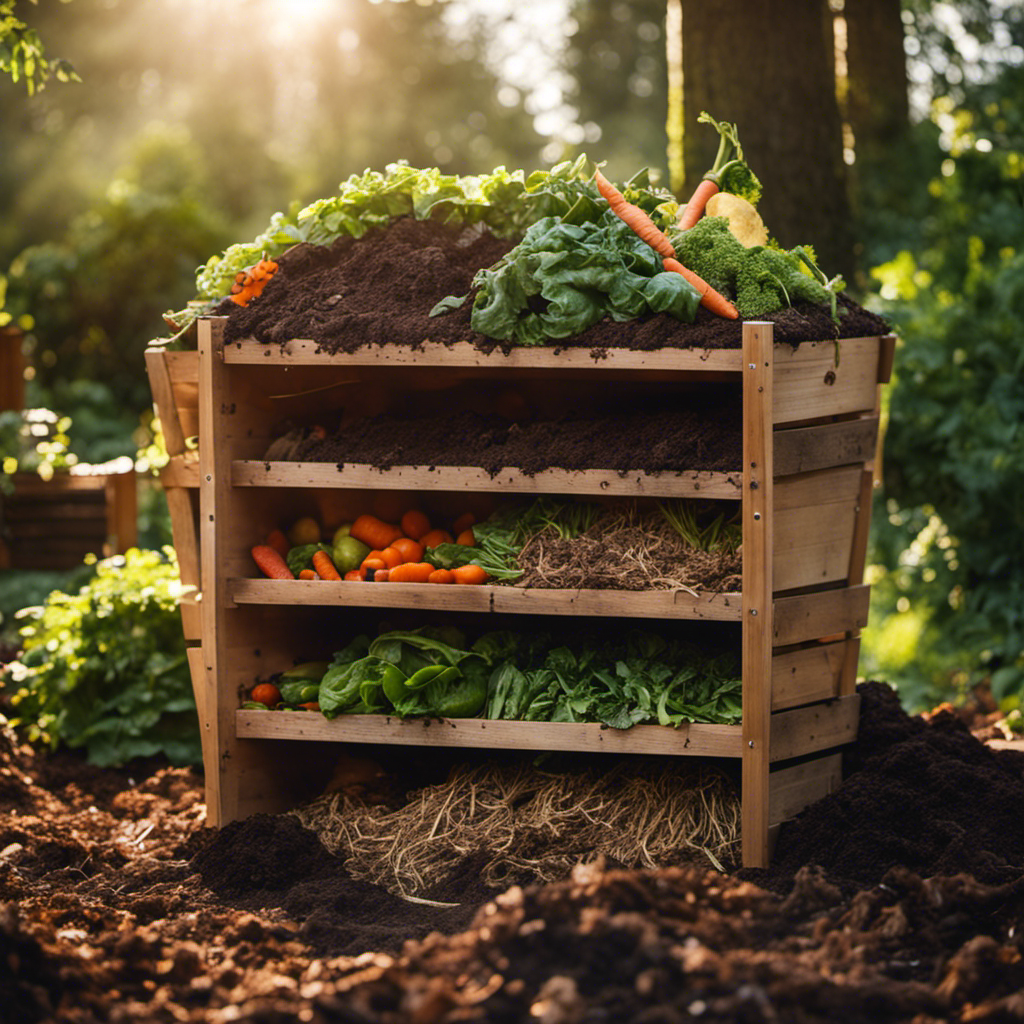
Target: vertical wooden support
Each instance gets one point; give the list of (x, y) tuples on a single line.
[(214, 482), (122, 510), (12, 369), (758, 370)]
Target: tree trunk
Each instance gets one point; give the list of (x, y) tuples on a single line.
[(769, 66)]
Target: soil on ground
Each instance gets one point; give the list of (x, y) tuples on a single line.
[(380, 289), (897, 898)]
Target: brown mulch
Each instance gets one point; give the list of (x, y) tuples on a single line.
[(898, 898)]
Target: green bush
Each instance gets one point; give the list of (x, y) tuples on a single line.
[(105, 669)]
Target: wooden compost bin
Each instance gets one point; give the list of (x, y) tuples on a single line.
[(55, 523), (810, 427)]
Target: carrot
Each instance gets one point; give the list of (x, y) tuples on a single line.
[(410, 550), (713, 300), (249, 284), (464, 522), (470, 574), (411, 572), (373, 564), (278, 541), (308, 574), (270, 563), (381, 575), (391, 556), (375, 532), (636, 218), (441, 576), (694, 209), (311, 706), (435, 537), (325, 567), (415, 524), (354, 575), (467, 538)]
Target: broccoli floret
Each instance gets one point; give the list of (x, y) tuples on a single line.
[(760, 279)]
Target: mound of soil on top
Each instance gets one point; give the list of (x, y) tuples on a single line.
[(379, 290)]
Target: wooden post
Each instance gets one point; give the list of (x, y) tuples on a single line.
[(758, 371), (12, 369)]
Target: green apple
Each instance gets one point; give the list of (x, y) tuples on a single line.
[(341, 531), (348, 553)]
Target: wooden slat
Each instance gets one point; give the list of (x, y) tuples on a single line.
[(886, 357), (55, 525), (803, 449), (798, 786), (184, 535), (817, 727), (122, 510), (861, 527), (807, 674), (693, 740), (70, 488), (815, 516), (200, 690), (605, 360), (157, 369), (253, 473), (12, 369), (45, 515), (513, 600), (181, 471), (823, 613), (820, 379), (758, 516)]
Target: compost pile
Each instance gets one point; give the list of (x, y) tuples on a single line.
[(897, 898), (380, 289)]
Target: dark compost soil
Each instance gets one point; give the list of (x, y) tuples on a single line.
[(897, 898), (379, 290)]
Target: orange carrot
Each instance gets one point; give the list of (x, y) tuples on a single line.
[(375, 532), (435, 537), (694, 209), (470, 574), (410, 550), (441, 576), (636, 218), (250, 284), (411, 572), (354, 575), (415, 524), (308, 574), (373, 564), (713, 300), (278, 541), (325, 567), (381, 575), (391, 557), (467, 538), (270, 563)]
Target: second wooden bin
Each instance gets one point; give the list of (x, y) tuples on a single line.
[(809, 425)]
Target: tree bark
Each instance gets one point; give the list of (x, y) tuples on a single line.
[(769, 66)]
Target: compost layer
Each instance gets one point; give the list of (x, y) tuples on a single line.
[(380, 289), (898, 898)]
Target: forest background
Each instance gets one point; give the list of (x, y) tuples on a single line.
[(889, 135)]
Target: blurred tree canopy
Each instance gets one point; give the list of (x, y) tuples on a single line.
[(888, 134)]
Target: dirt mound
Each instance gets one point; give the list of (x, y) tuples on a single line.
[(379, 290)]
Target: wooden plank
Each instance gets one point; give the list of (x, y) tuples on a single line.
[(157, 369), (123, 510), (861, 527), (181, 471), (691, 740), (12, 369), (184, 535), (665, 604), (798, 786), (824, 379), (886, 357), (823, 613), (802, 449), (815, 517), (81, 486), (606, 360), (807, 674), (254, 473), (817, 727), (758, 515), (200, 690)]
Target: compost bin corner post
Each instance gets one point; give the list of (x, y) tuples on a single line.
[(757, 507)]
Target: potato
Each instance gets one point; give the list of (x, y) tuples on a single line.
[(744, 221)]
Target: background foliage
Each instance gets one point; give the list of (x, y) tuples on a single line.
[(193, 122)]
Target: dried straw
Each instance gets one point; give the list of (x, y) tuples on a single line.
[(626, 549), (524, 824)]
